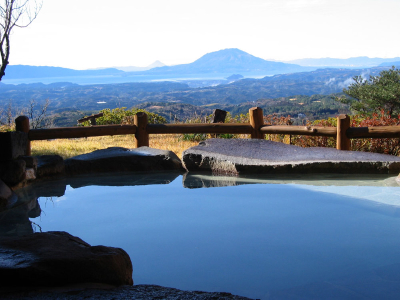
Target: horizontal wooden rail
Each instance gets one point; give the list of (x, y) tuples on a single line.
[(374, 132), (79, 132), (256, 129), (299, 130), (199, 128), (91, 118)]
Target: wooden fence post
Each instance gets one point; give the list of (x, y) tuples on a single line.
[(256, 121), (22, 124), (342, 141), (219, 116), (141, 135)]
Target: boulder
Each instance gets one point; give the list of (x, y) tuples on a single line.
[(13, 172), (13, 144), (30, 174), (122, 179), (31, 161), (241, 156), (7, 196), (118, 159), (58, 259), (50, 166), (15, 220)]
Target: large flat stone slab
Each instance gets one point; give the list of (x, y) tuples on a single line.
[(57, 259), (118, 159), (241, 156)]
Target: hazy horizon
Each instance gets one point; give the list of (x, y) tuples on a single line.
[(98, 34), (158, 61)]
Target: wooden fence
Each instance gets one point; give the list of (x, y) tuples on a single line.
[(256, 128)]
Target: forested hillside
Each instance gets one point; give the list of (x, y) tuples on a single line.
[(304, 93)]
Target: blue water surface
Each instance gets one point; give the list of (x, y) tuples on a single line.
[(266, 241)]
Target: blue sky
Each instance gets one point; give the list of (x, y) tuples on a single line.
[(83, 34)]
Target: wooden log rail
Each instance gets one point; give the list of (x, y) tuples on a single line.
[(256, 129), (299, 130), (373, 132), (199, 128), (91, 119), (79, 132)]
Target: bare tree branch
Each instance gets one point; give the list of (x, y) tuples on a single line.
[(14, 13)]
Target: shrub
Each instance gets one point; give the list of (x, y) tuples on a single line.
[(276, 119), (198, 137), (384, 145), (123, 116), (317, 141)]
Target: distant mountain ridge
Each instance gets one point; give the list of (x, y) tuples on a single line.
[(353, 62), (222, 63), (215, 65), (155, 64), (23, 71), (229, 61)]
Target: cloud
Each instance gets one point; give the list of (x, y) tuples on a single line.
[(330, 81), (346, 83)]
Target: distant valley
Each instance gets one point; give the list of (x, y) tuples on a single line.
[(274, 92), (219, 79)]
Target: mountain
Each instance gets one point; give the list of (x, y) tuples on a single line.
[(228, 61), (390, 64), (214, 65), (155, 64), (23, 71), (353, 62)]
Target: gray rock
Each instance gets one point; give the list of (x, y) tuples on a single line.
[(117, 159), (13, 144), (42, 188), (138, 292), (122, 179), (30, 174), (15, 220), (31, 161), (240, 156), (7, 196), (193, 180), (50, 166), (57, 259), (12, 172)]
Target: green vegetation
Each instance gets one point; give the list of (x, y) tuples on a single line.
[(124, 116), (197, 137), (377, 93)]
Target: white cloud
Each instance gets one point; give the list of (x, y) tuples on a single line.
[(346, 83)]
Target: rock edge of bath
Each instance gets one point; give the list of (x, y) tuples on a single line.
[(58, 258), (244, 156), (125, 292)]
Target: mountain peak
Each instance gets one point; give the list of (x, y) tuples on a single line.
[(156, 64), (228, 61)]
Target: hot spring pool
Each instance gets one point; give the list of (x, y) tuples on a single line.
[(287, 238)]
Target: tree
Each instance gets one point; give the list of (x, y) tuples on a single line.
[(14, 13), (377, 93)]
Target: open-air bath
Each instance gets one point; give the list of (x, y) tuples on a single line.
[(266, 237)]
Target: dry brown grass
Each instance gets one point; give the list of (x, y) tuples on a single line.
[(67, 148)]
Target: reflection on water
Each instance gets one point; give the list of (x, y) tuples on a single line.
[(304, 239)]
